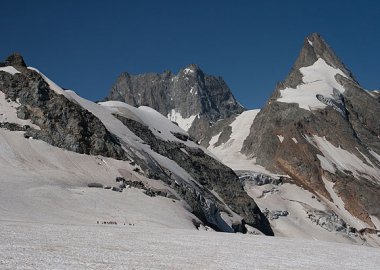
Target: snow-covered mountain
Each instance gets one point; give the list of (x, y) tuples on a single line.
[(318, 136), (95, 176), (310, 157), (66, 159)]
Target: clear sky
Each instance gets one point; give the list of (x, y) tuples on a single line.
[(85, 45)]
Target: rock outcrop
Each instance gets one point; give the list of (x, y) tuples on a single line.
[(62, 123)]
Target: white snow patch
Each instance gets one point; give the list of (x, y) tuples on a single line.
[(230, 152), (280, 137), (345, 160), (365, 157), (214, 139), (376, 155), (375, 221), (193, 90), (184, 123), (295, 140), (311, 43), (318, 78), (326, 164), (8, 112), (9, 69), (188, 71)]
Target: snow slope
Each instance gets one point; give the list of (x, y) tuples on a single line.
[(62, 246), (157, 123), (230, 152), (318, 79), (298, 202), (46, 184)]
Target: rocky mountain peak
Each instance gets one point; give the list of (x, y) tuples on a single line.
[(192, 69), (314, 48), (15, 59), (191, 98), (320, 115)]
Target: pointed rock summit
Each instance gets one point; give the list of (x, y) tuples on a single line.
[(319, 127), (15, 59), (314, 47)]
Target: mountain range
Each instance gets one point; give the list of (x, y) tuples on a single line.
[(179, 151), (318, 136)]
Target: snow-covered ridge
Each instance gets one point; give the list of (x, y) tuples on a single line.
[(53, 86), (318, 79), (161, 126)]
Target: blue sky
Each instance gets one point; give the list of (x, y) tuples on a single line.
[(85, 45)]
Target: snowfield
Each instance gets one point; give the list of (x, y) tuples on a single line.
[(59, 246)]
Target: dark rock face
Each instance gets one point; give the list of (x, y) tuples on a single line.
[(190, 93), (62, 122), (14, 59), (349, 121), (13, 126), (211, 174)]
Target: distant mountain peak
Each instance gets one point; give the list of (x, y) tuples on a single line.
[(191, 98), (15, 59)]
